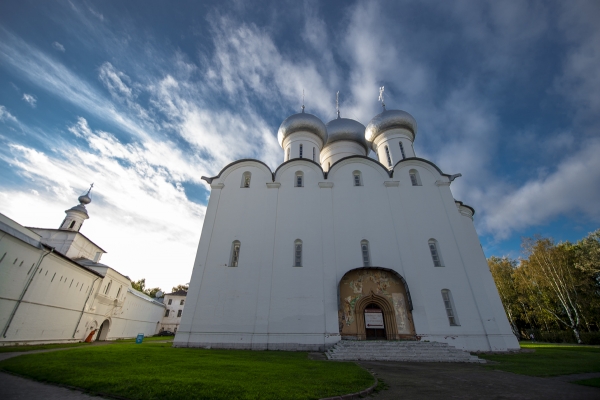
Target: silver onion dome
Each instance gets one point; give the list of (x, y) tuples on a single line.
[(346, 129), (84, 199), (387, 120), (302, 122)]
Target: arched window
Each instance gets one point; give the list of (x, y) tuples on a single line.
[(357, 178), (299, 179), (402, 151), (449, 305), (314, 153), (366, 257), (72, 225), (414, 177), (287, 158), (301, 148), (435, 253), (387, 154), (298, 253), (235, 254), (107, 290), (246, 179), (119, 291)]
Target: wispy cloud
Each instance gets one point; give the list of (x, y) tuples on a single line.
[(5, 115), (58, 46), (30, 99)]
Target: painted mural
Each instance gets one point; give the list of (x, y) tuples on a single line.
[(361, 282)]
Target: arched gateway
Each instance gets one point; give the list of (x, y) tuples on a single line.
[(375, 303)]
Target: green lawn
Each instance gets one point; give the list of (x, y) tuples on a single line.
[(10, 349), (147, 339), (549, 360), (158, 371)]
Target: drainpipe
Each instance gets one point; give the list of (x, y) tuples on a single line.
[(83, 309), (29, 280)]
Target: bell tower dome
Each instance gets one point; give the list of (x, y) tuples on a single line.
[(77, 214), (302, 136), (391, 135)]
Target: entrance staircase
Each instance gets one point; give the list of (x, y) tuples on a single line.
[(384, 350)]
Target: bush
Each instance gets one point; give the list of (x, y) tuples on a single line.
[(563, 336)]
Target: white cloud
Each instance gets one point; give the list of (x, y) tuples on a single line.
[(29, 98), (58, 46), (5, 115)]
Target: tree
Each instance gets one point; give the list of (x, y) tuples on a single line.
[(140, 286), (503, 272), (181, 287)]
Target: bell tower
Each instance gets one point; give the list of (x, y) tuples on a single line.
[(77, 214)]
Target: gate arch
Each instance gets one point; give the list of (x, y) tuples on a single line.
[(380, 286)]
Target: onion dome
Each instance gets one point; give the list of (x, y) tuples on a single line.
[(85, 199), (346, 129), (390, 119), (302, 122)]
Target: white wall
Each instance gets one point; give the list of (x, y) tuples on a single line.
[(265, 302)]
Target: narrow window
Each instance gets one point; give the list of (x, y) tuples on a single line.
[(52, 280), (246, 179), (14, 262), (364, 248), (72, 225), (298, 253), (402, 151), (414, 177), (235, 254), (301, 151), (288, 154), (119, 291), (357, 178), (170, 301), (108, 288), (328, 166), (181, 303), (167, 313), (387, 154), (314, 153), (3, 255), (179, 313), (435, 253), (21, 263), (449, 305), (299, 181)]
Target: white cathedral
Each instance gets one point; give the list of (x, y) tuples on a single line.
[(334, 245)]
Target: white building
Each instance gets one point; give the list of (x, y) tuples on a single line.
[(174, 303), (336, 245), (53, 287)]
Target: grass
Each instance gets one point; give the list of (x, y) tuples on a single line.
[(549, 360), (158, 371), (594, 382), (11, 349), (147, 339)]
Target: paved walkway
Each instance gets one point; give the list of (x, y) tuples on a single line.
[(468, 381)]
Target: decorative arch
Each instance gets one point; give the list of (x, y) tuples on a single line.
[(389, 317), (104, 329)]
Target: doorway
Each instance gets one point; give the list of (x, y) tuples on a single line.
[(374, 322), (103, 332)]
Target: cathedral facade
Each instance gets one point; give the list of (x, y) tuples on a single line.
[(336, 245)]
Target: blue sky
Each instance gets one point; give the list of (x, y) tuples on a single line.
[(144, 97)]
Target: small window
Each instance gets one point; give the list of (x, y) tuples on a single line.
[(314, 154), (167, 313), (364, 248), (107, 288), (299, 179), (119, 291), (387, 154), (298, 253), (301, 148), (170, 302), (181, 302), (357, 178), (235, 254), (179, 313), (449, 305), (3, 255), (288, 155), (246, 179), (72, 225), (328, 166), (402, 151), (435, 253), (414, 177)]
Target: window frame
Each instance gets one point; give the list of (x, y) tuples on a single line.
[(314, 154), (415, 179), (434, 251), (299, 179), (402, 150), (357, 178), (450, 307), (301, 151), (298, 248), (365, 253), (246, 179), (179, 312), (234, 259)]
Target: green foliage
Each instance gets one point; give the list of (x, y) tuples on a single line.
[(548, 360), (140, 286), (158, 371), (556, 287), (181, 287)]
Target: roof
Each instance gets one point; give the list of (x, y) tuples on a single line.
[(65, 230), (177, 293)]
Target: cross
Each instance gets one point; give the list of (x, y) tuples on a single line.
[(90, 189), (337, 103), (381, 89)]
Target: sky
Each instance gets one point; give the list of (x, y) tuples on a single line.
[(143, 98)]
